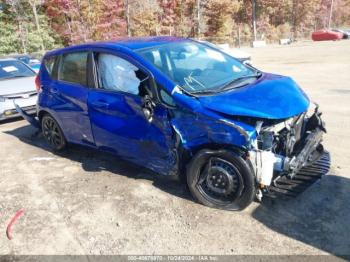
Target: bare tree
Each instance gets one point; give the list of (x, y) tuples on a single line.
[(34, 4), (127, 17), (198, 18), (330, 15)]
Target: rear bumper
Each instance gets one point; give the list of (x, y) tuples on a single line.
[(27, 116)]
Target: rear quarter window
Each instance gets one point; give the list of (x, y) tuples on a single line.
[(49, 63), (73, 68)]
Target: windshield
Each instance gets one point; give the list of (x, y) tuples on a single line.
[(198, 68), (24, 59), (13, 68)]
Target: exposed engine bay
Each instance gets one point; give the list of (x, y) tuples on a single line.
[(284, 147)]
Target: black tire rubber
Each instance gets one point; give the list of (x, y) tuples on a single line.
[(56, 147), (201, 159)]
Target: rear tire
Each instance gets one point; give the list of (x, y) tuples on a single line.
[(53, 133), (221, 179)]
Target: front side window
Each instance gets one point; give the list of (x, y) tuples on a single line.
[(73, 68), (117, 74), (198, 68)]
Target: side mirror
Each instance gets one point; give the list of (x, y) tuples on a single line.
[(167, 99)]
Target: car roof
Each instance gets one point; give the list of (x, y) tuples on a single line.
[(131, 43)]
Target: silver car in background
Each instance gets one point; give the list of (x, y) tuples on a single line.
[(17, 85)]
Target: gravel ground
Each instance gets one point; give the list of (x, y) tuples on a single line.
[(87, 202)]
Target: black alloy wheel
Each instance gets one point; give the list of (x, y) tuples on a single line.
[(53, 133)]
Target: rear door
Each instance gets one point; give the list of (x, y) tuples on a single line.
[(67, 97), (117, 114)]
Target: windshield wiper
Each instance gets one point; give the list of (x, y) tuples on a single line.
[(229, 84), (225, 87), (204, 92), (20, 76)]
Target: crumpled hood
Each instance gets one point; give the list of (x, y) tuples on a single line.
[(271, 97)]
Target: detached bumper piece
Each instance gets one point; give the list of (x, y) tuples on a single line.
[(284, 186), (11, 113), (27, 116)]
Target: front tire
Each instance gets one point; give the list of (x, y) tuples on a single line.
[(53, 133), (221, 179)]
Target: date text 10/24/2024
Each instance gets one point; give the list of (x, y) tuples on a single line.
[(172, 258)]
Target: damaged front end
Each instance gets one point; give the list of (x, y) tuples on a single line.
[(288, 150)]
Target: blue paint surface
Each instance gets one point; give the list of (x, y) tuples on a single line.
[(272, 97), (122, 128)]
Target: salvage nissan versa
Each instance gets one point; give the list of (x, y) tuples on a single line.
[(180, 107)]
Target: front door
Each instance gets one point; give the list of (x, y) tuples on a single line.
[(118, 120)]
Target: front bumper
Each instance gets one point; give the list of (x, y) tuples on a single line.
[(8, 108), (311, 152), (283, 186), (13, 113), (305, 161)]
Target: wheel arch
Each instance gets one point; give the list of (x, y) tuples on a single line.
[(44, 112), (235, 156), (186, 154), (52, 131), (41, 115)]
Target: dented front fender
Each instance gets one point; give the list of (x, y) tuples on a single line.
[(196, 129)]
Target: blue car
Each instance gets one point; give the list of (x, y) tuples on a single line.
[(180, 107)]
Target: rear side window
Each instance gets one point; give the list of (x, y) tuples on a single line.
[(49, 63), (73, 68)]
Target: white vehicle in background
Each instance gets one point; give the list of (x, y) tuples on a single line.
[(17, 84), (234, 52)]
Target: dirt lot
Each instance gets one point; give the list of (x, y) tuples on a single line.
[(86, 202)]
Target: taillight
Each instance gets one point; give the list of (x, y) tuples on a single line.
[(37, 83)]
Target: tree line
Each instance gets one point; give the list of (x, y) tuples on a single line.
[(28, 26)]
